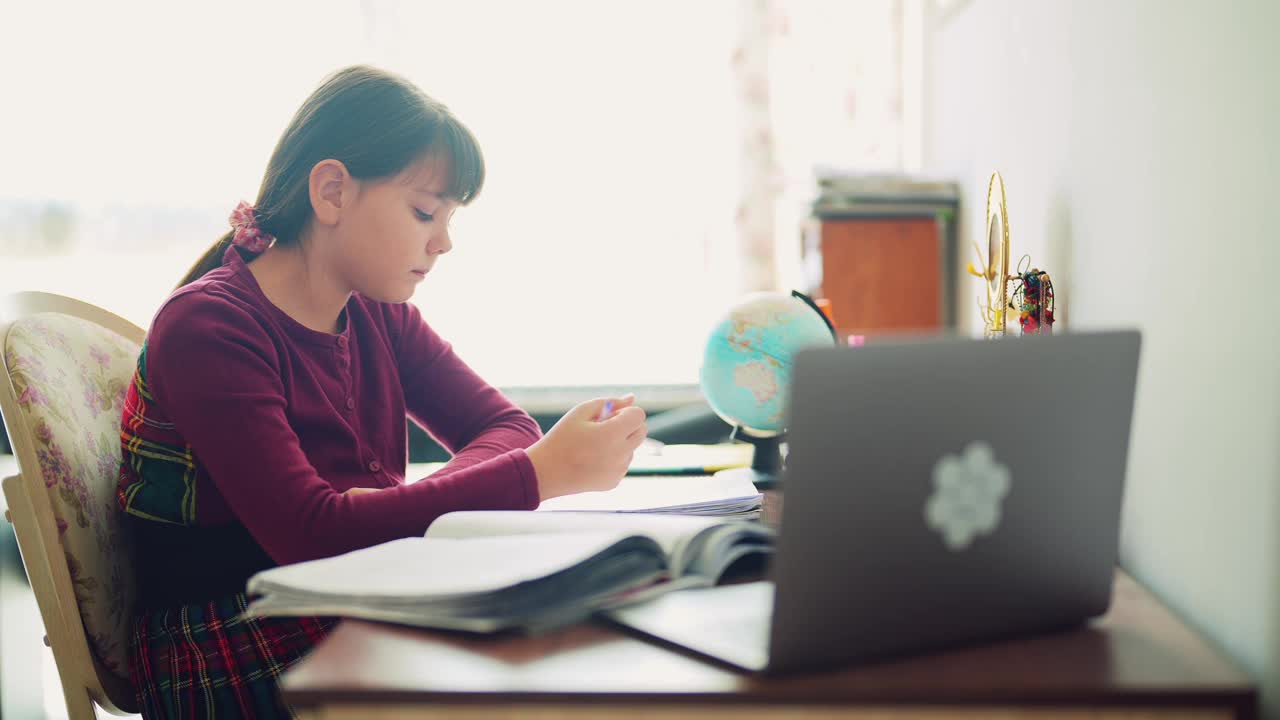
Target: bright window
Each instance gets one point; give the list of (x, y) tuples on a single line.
[(603, 244)]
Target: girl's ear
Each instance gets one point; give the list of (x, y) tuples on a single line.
[(330, 187)]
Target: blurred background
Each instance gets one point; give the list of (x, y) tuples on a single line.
[(628, 145), (650, 162)]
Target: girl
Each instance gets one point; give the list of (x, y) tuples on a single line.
[(266, 420)]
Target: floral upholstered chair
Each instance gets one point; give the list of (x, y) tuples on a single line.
[(67, 365)]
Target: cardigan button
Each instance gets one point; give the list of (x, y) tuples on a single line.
[(374, 466), (342, 341), (351, 404)]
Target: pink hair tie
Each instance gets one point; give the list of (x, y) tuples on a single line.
[(247, 233)]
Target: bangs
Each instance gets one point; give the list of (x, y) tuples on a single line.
[(454, 144)]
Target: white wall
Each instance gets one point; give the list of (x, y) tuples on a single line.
[(1140, 145)]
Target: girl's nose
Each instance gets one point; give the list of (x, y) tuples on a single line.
[(440, 244)]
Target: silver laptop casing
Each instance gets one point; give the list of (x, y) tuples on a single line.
[(860, 574)]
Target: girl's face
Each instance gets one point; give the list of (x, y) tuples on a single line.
[(393, 232)]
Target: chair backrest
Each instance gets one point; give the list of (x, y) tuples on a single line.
[(67, 365)]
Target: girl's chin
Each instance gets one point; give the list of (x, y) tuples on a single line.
[(391, 295)]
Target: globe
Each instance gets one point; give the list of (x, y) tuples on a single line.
[(746, 366)]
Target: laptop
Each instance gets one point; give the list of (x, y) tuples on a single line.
[(937, 493)]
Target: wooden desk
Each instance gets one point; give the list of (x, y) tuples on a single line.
[(1138, 661)]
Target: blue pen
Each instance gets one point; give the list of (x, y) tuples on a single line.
[(608, 408)]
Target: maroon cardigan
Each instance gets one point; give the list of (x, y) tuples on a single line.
[(274, 421)]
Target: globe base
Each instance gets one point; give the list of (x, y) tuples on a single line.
[(766, 462)]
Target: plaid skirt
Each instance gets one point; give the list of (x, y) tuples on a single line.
[(205, 660)]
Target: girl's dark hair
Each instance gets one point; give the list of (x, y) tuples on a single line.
[(374, 122)]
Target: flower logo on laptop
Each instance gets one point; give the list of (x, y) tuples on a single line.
[(967, 494)]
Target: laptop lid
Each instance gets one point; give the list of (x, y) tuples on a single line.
[(946, 491)]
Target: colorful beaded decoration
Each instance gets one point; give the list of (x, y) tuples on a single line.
[(1033, 299)]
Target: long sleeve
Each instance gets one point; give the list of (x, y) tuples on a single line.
[(225, 381), (469, 417)]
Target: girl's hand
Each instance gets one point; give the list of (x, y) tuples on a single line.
[(589, 448)]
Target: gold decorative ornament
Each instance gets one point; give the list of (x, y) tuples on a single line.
[(995, 265)]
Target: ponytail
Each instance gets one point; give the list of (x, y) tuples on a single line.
[(211, 259)]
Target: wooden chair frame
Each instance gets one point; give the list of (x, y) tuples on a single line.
[(85, 681)]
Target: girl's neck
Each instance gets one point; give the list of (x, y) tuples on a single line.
[(302, 287)]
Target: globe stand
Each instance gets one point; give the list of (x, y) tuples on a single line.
[(766, 462)]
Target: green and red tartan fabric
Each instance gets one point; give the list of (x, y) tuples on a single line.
[(206, 660), (198, 660), (157, 470)]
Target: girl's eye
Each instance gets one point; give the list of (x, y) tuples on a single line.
[(425, 217)]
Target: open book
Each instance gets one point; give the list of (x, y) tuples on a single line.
[(484, 571)]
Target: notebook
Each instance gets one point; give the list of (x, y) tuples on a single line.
[(666, 459), (484, 571)]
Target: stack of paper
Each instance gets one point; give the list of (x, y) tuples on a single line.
[(718, 495), (471, 584)]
